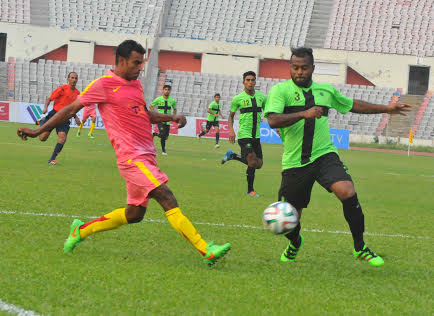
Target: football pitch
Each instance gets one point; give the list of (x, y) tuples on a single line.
[(148, 268)]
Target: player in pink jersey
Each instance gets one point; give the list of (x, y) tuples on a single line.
[(89, 111), (122, 106)]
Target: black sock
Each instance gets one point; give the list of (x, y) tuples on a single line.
[(250, 173), (356, 220), (217, 137), (235, 156), (202, 133), (163, 143), (56, 151), (294, 236)]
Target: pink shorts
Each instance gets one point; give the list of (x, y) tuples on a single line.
[(89, 111), (142, 176)]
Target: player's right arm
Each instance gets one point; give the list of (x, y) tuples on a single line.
[(275, 107), (156, 118), (60, 117), (234, 109), (47, 103), (231, 127)]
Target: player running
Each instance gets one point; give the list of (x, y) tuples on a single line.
[(164, 105), (62, 96), (214, 110), (121, 103), (89, 111), (250, 103), (299, 107)]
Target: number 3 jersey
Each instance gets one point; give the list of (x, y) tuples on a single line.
[(123, 110), (308, 139)]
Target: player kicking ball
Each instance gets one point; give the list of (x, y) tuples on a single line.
[(89, 111), (299, 108), (214, 110), (122, 106)]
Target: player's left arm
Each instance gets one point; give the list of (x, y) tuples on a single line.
[(156, 118), (363, 107), (60, 117)]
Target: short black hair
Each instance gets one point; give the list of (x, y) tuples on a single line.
[(167, 86), (216, 95), (72, 72), (249, 73), (126, 48), (302, 52)]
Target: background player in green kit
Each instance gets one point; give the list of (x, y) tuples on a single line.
[(299, 107), (164, 104), (250, 103), (214, 110)]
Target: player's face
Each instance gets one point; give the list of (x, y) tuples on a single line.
[(249, 83), (72, 79), (166, 92), (133, 66), (301, 69), (217, 99)]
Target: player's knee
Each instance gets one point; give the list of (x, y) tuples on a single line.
[(346, 193), (164, 197), (135, 214), (43, 138)]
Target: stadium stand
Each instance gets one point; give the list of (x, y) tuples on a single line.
[(425, 129), (3, 81), (397, 27), (194, 92), (127, 17), (15, 11), (319, 22), (34, 82), (38, 13), (281, 23)]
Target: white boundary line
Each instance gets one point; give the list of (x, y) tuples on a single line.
[(12, 309), (219, 224), (410, 175)]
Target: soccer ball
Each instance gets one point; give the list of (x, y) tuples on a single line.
[(280, 218)]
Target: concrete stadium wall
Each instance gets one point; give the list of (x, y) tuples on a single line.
[(81, 51), (388, 70), (104, 55), (181, 61), (228, 64), (30, 42)]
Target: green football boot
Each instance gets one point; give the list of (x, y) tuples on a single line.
[(290, 252), (74, 237), (215, 252), (369, 256), (78, 134), (90, 135)]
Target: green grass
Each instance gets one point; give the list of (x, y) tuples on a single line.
[(147, 268)]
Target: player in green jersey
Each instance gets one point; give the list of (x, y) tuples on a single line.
[(164, 104), (250, 103), (299, 107), (214, 110)]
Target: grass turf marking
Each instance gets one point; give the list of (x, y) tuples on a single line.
[(219, 224), (12, 309)]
